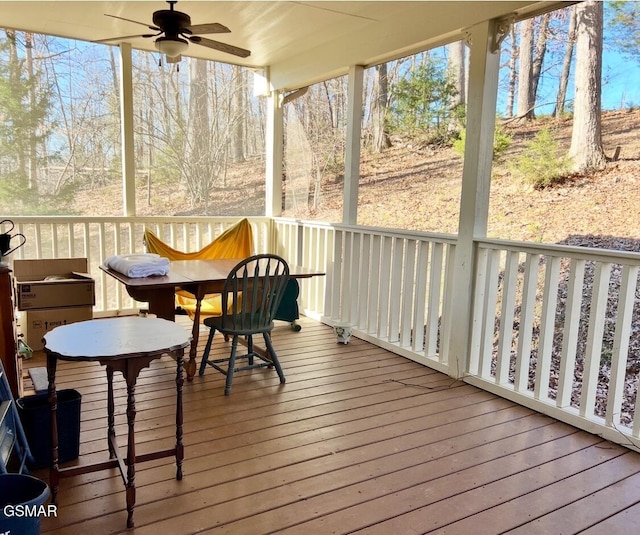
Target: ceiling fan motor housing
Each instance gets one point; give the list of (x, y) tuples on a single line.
[(172, 23)]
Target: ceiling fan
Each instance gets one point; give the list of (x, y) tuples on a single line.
[(174, 32)]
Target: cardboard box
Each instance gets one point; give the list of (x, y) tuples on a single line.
[(35, 323), (43, 284)]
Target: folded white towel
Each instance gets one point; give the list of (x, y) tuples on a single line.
[(138, 265)]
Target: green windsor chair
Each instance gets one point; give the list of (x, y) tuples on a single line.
[(254, 288)]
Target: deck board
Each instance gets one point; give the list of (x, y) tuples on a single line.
[(358, 440)]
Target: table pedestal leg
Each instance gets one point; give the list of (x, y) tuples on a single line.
[(193, 351), (195, 333), (130, 369), (131, 445)]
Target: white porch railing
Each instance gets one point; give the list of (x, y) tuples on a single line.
[(557, 328), (390, 285), (97, 238), (554, 328)]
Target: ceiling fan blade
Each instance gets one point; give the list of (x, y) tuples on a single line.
[(212, 27), (134, 21), (223, 47), (124, 37)]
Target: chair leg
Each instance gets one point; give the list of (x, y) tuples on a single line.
[(250, 350), (274, 357), (195, 332), (207, 349), (232, 366)]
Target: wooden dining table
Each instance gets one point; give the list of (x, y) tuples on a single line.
[(198, 277)]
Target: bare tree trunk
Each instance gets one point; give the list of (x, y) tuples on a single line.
[(586, 138), (114, 73), (331, 108), (513, 73), (540, 51), (177, 114), (167, 95), (525, 77), (237, 115), (32, 178), (456, 68), (457, 72), (381, 139), (148, 143), (566, 65), (198, 130)]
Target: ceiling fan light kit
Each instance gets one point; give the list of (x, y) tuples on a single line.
[(171, 47)]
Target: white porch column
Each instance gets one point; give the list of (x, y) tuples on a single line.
[(476, 178), (352, 148), (126, 120), (274, 147)]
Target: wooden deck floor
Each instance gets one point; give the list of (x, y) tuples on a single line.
[(359, 440)]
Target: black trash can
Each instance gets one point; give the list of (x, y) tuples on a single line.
[(22, 506), (35, 415)]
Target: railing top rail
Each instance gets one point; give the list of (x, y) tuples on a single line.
[(552, 249), (129, 219), (382, 231)]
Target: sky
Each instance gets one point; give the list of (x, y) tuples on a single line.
[(620, 73), (620, 84), (620, 81)]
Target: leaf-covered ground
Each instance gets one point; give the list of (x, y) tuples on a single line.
[(417, 187)]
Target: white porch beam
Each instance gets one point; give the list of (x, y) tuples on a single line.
[(352, 149), (274, 154), (476, 179), (126, 122)]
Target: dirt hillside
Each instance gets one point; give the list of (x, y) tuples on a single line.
[(417, 187)]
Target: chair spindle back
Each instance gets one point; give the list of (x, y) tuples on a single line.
[(255, 287)]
